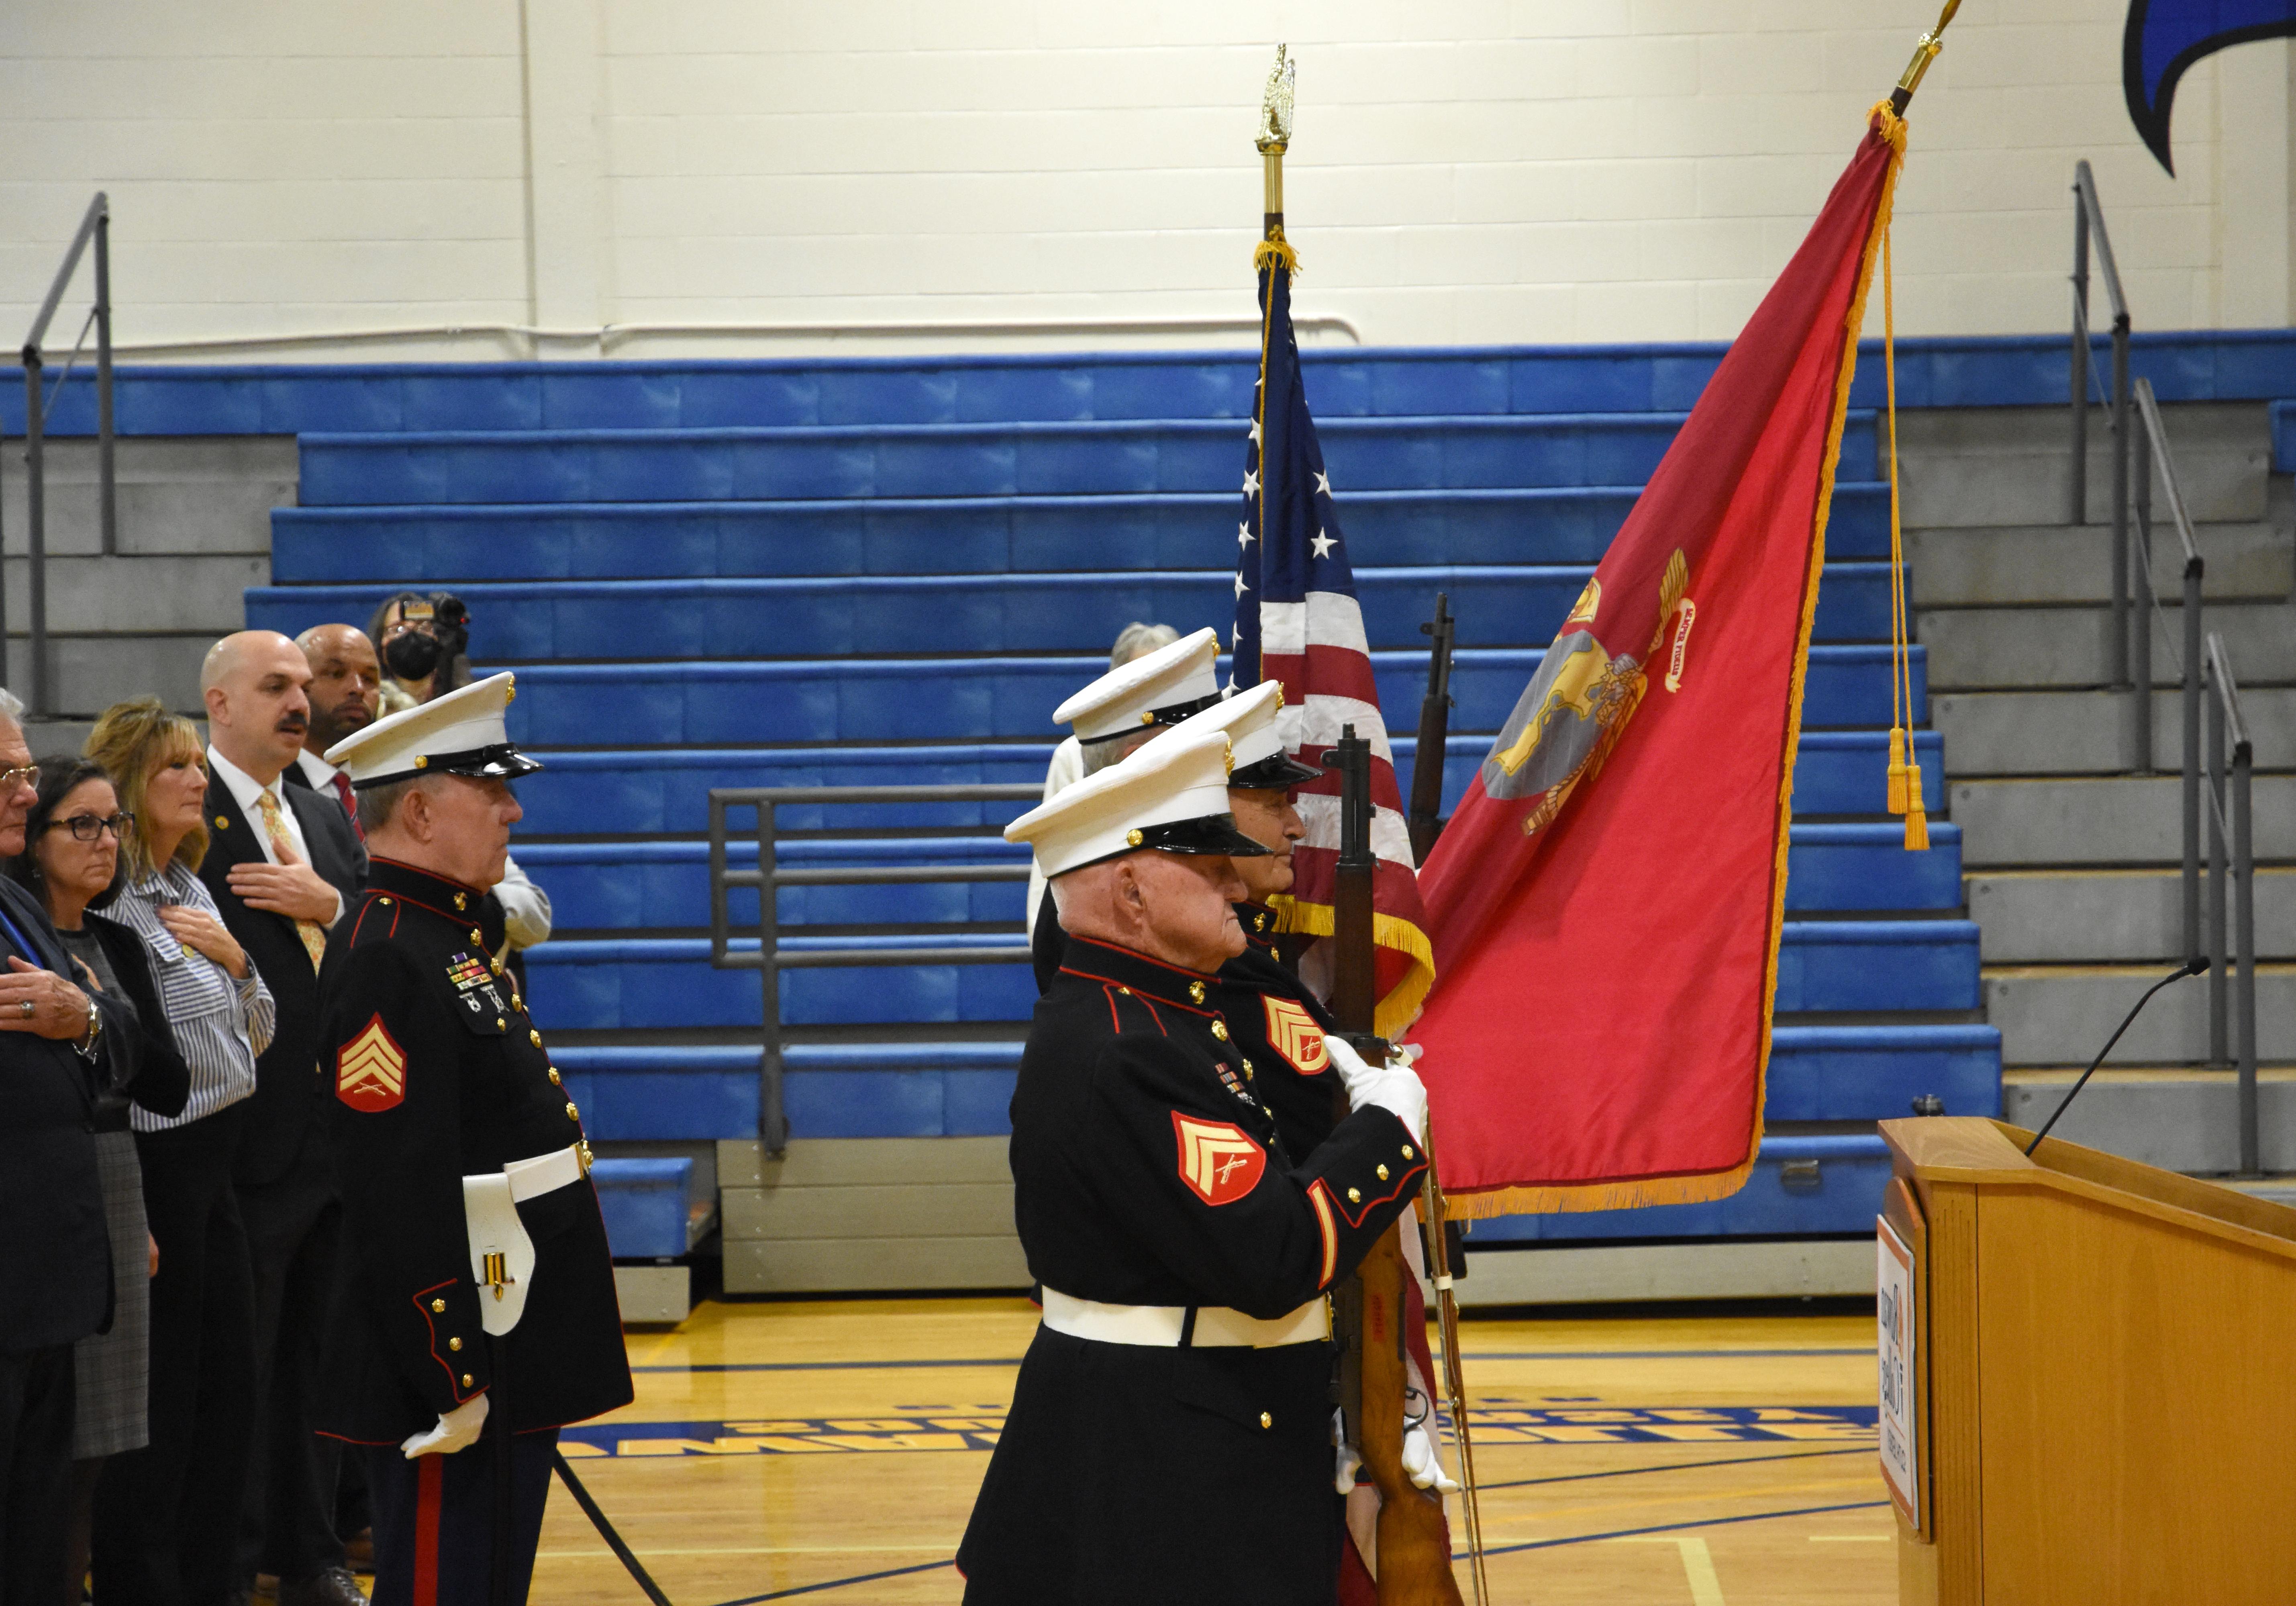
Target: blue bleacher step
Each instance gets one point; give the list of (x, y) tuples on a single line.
[(935, 534), (648, 1205), (982, 460), (638, 886), (930, 698), (654, 789), (609, 984), (1874, 1073), (540, 621), (1833, 1188), (283, 398), (963, 1089)]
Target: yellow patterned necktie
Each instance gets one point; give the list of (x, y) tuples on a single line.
[(283, 848)]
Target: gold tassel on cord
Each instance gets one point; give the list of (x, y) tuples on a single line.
[(1274, 251), (1897, 769), (1917, 817)]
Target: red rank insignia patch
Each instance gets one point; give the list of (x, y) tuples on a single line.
[(1292, 1032), (1218, 1161), (370, 1069)]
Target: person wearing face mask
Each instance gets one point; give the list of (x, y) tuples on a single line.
[(167, 1516), (71, 863), (423, 640)]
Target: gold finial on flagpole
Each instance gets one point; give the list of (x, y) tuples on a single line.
[(1925, 51), (1275, 135)]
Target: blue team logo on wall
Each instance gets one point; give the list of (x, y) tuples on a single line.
[(2166, 36)]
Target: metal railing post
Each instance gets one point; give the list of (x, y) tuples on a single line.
[(768, 877), (2140, 559), (2121, 613), (2192, 734), (2244, 927), (36, 529), (773, 1120), (2218, 1001), (2077, 481), (108, 500)]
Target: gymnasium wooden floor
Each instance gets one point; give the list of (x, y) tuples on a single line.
[(829, 1451)]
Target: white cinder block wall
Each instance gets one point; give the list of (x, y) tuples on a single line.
[(1475, 171)]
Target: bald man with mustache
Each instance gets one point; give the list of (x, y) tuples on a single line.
[(283, 863)]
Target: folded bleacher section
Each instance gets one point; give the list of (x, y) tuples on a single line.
[(892, 571)]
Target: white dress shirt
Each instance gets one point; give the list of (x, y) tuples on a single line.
[(247, 791)]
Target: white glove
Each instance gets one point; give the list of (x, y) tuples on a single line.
[(455, 1431), (1344, 1477), (1421, 1463), (1395, 1087)]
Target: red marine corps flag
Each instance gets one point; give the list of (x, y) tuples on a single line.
[(1606, 901)]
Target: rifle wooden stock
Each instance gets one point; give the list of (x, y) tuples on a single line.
[(1414, 1563)]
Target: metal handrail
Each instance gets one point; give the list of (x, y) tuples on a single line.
[(2155, 459), (2219, 891), (2232, 870), (2088, 218), (94, 226), (771, 958)]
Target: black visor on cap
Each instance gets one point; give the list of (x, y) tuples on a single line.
[(1171, 714), (501, 761), (1206, 834), (1278, 772)]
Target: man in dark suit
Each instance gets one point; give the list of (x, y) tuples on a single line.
[(283, 864), (55, 1260)]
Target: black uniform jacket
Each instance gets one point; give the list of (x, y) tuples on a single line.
[(1279, 1025), (1147, 1171), (156, 1076), (290, 1092), (435, 1070), (55, 1256)]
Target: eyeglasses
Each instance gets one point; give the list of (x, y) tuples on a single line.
[(90, 828), (23, 774)]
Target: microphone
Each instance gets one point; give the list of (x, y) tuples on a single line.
[(2191, 967)]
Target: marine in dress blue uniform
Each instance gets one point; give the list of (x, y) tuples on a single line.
[(1169, 1438), (476, 1313)]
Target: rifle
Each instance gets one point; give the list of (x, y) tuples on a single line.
[(1434, 732), (1414, 1551)]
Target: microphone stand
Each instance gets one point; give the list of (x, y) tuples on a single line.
[(2191, 967)]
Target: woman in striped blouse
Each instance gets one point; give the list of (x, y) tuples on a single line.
[(157, 1513)]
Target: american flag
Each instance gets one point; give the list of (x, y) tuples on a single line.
[(1297, 620)]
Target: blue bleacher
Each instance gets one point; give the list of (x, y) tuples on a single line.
[(666, 789), (888, 571), (619, 886), (829, 617), (970, 535)]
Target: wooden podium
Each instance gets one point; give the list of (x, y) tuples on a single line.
[(2102, 1376)]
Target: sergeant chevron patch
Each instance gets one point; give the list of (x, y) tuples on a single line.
[(1218, 1161), (1292, 1032), (370, 1069)]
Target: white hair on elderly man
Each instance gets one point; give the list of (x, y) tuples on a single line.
[(11, 705)]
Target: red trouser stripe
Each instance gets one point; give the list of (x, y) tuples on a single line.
[(429, 1478)]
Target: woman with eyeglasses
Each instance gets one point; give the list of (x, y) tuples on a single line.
[(168, 1515), (71, 863)]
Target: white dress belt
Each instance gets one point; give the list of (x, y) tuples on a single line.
[(545, 1173), (1167, 1326)]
